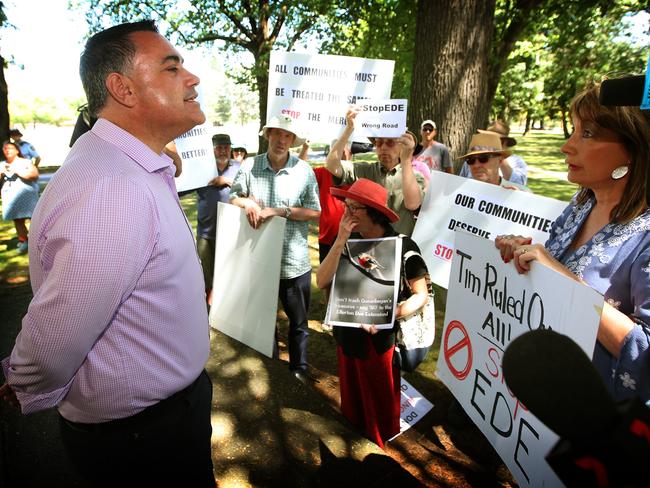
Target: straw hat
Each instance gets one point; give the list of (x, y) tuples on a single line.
[(369, 193), (503, 130), (283, 122), (485, 143)]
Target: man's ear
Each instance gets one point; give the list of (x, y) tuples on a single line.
[(120, 88)]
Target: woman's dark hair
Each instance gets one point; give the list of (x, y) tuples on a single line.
[(378, 218), (108, 51), (10, 143), (632, 126)]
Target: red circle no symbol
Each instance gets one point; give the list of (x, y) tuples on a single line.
[(459, 346)]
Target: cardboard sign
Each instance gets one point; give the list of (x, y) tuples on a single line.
[(316, 89), (195, 149), (381, 118), (242, 255), (453, 202), (365, 286), (488, 305)]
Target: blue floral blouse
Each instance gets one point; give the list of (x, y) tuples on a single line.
[(616, 263)]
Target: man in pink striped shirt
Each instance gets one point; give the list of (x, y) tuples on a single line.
[(116, 336)]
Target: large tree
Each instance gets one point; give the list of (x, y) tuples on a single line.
[(451, 66), (243, 25), (4, 90)]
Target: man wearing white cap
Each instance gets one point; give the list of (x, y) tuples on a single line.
[(279, 184), (434, 154)]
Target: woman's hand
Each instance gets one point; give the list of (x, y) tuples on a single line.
[(346, 226), (370, 329), (508, 243), (526, 254)]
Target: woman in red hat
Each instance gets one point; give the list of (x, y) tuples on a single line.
[(369, 380)]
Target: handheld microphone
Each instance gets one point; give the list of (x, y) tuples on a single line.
[(601, 443)]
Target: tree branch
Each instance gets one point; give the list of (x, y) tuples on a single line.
[(238, 23)]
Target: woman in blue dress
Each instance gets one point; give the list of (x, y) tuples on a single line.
[(602, 239), (19, 191)]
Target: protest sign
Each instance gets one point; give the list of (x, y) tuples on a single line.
[(381, 118), (365, 286), (488, 305), (195, 150), (453, 202), (243, 305), (413, 407), (316, 89)]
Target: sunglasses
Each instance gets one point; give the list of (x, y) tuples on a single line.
[(481, 159), (427, 129), (387, 142)]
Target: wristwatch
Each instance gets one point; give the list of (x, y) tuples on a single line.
[(287, 212)]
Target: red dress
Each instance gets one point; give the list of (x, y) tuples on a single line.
[(370, 393)]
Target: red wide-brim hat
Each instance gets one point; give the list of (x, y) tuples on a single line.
[(368, 193)]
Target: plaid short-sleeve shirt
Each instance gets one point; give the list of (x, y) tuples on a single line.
[(293, 186)]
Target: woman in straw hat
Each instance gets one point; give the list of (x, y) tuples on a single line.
[(369, 380), (602, 239)]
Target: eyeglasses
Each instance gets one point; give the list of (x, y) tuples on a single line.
[(353, 208), (387, 142), (481, 159)]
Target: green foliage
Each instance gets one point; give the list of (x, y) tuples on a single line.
[(566, 47), (383, 29), (51, 110)]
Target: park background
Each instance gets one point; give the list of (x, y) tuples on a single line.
[(518, 61)]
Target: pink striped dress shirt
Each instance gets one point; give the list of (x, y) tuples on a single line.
[(118, 320)]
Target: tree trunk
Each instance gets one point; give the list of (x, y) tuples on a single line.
[(565, 124), (262, 76), (450, 72), (4, 104), (529, 120)]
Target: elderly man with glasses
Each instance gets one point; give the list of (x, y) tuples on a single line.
[(484, 158), (405, 187)]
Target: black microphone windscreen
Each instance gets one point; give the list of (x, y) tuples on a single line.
[(626, 91), (557, 382)]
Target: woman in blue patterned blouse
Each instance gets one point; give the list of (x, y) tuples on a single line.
[(601, 238)]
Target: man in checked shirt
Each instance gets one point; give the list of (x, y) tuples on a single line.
[(116, 336)]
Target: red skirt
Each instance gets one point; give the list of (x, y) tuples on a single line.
[(370, 393)]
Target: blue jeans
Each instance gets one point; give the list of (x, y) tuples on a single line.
[(294, 295)]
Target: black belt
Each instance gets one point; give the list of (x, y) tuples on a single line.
[(147, 415)]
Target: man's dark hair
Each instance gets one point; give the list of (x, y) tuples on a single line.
[(108, 51)]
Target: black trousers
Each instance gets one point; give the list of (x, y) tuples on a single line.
[(295, 294), (167, 444)]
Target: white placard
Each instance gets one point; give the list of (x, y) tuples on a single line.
[(413, 407), (381, 118), (243, 305), (453, 202), (195, 149), (488, 305), (317, 89)]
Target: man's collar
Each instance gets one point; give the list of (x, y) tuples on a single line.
[(131, 146), (387, 171), (291, 162)]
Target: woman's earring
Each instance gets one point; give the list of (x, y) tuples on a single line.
[(619, 172)]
